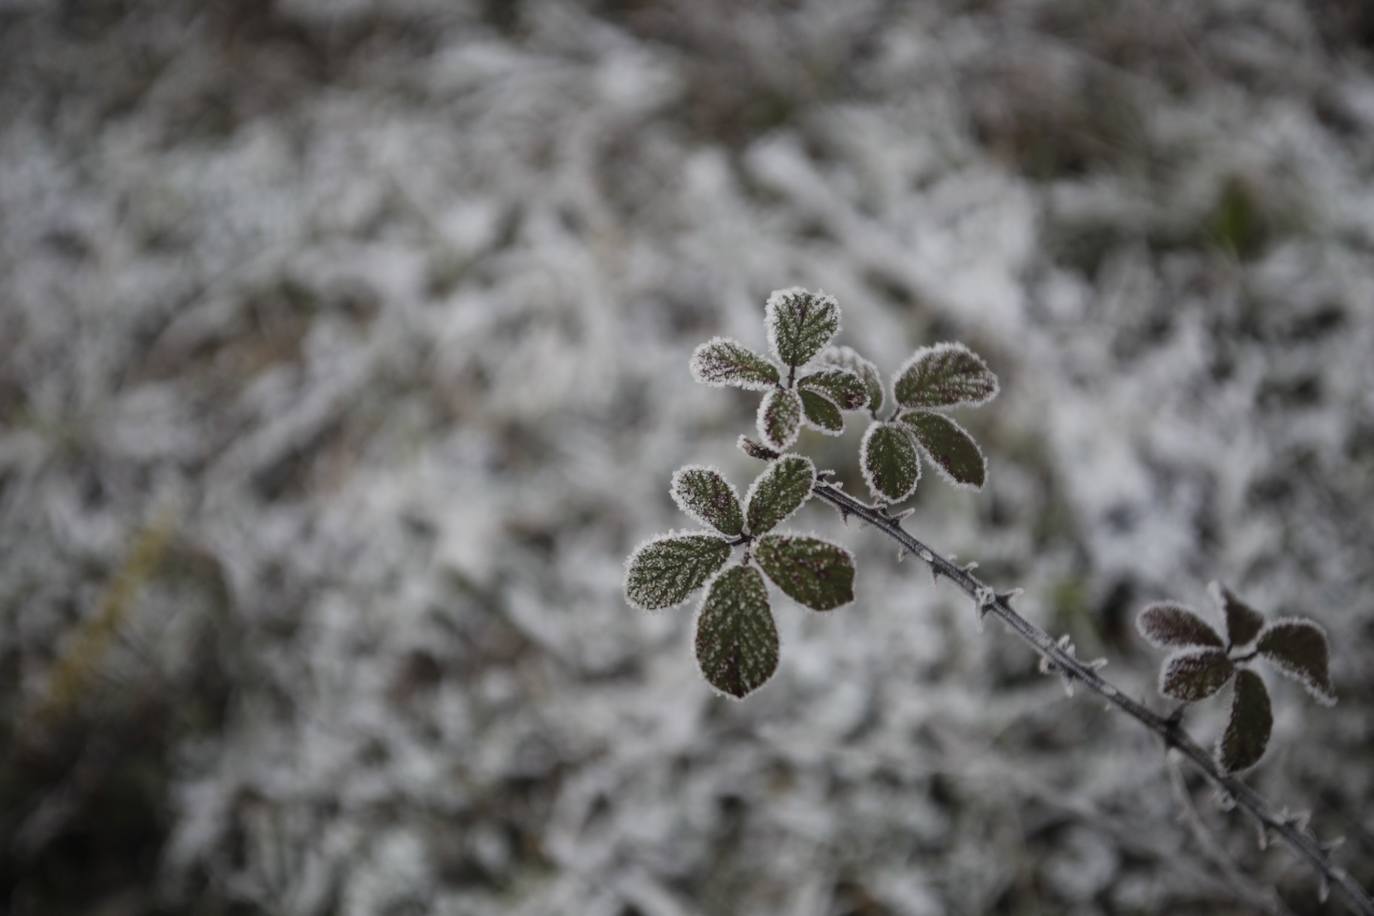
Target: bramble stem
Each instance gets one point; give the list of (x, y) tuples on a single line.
[(1168, 728)]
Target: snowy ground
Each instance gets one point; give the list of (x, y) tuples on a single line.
[(343, 357)]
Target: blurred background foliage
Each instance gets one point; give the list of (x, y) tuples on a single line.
[(343, 357)]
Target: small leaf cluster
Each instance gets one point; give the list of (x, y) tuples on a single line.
[(934, 378), (835, 379), (736, 640), (799, 324), (1203, 662)]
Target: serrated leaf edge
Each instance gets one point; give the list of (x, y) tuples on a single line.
[(664, 536), (762, 430), (1217, 592), (770, 322), (807, 383), (932, 349), (838, 354), (749, 494), (940, 468), (823, 430), (1140, 627), (694, 366), (690, 513), (863, 462), (1325, 699), (696, 624), (849, 555), (1216, 747), (1187, 651)]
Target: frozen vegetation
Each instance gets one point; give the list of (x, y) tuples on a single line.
[(344, 356)]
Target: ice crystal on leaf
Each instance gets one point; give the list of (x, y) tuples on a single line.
[(810, 571), (723, 362), (1298, 649), (800, 323), (820, 413), (945, 375), (1247, 731), (1169, 626), (848, 358), (842, 386), (889, 461), (1195, 673), (949, 446), (708, 497), (1243, 623), (782, 489), (666, 570), (736, 642), (779, 417)]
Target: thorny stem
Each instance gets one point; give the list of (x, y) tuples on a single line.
[(1169, 728)]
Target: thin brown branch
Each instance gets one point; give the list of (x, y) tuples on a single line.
[(1169, 729)]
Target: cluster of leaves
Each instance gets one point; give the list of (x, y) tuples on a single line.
[(945, 375), (736, 642), (836, 378), (1202, 663), (800, 325)]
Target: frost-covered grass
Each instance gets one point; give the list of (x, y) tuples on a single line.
[(384, 311)]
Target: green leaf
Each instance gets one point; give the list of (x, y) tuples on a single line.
[(800, 323), (843, 387), (722, 361), (666, 570), (1167, 626), (737, 644), (779, 418), (1243, 623), (1195, 673), (821, 413), (888, 459), (1247, 732), (945, 375), (949, 446), (1297, 647), (708, 497), (778, 492), (848, 358), (812, 572)]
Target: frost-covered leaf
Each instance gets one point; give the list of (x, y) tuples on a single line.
[(821, 413), (708, 497), (724, 362), (800, 323), (842, 386), (1247, 733), (810, 571), (1243, 623), (778, 492), (945, 375), (755, 449), (1297, 647), (666, 570), (1195, 673), (1167, 626), (737, 644), (949, 446), (848, 358), (890, 464), (779, 417)]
